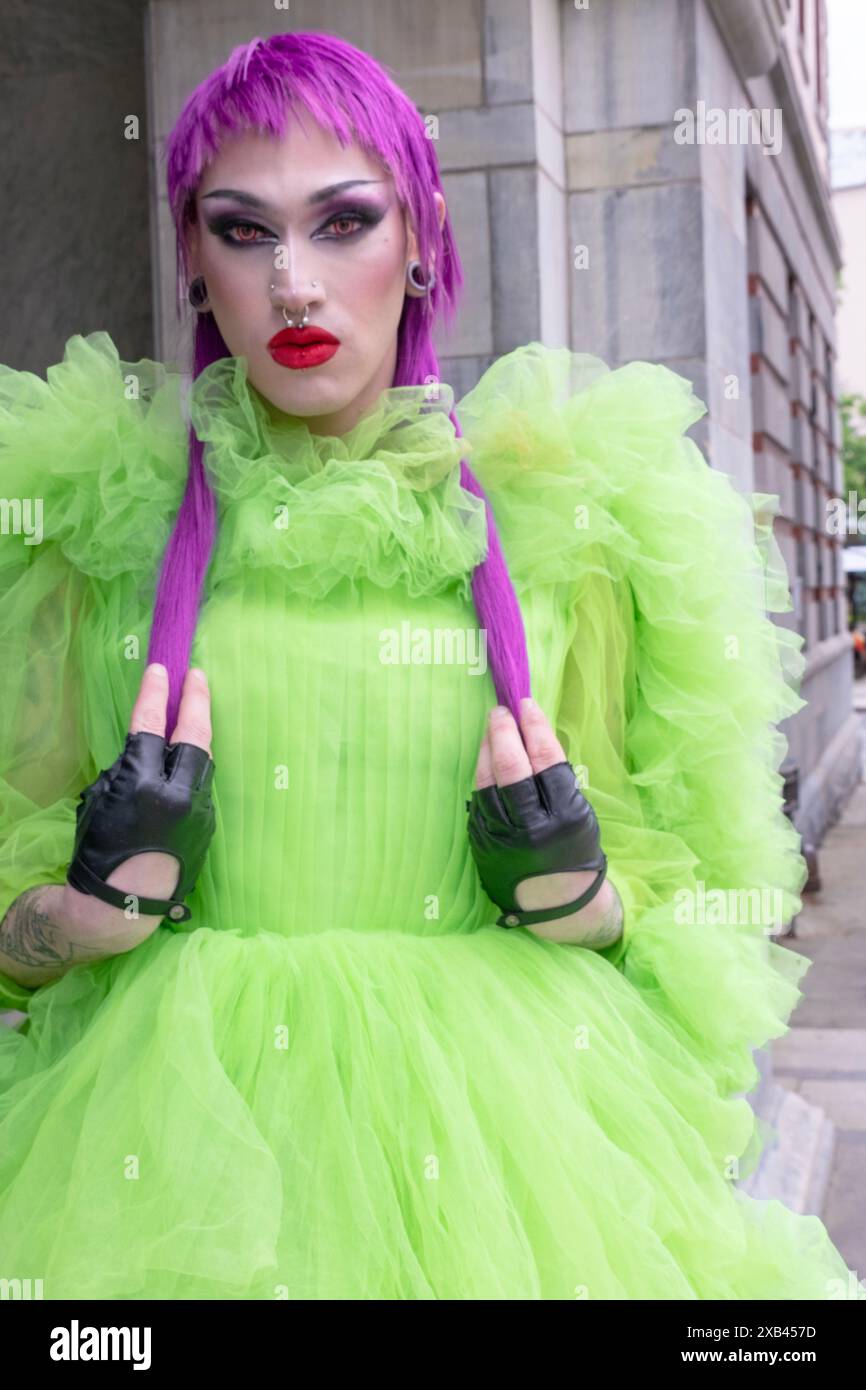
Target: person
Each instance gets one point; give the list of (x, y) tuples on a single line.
[(349, 969)]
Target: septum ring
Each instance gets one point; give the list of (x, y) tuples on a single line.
[(290, 319), (290, 322)]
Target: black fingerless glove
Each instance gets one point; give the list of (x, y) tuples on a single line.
[(155, 797), (540, 825)]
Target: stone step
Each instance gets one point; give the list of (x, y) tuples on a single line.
[(795, 1164)]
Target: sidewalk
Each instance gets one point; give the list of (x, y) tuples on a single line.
[(823, 1058)]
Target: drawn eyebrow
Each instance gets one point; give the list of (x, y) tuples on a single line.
[(249, 199)]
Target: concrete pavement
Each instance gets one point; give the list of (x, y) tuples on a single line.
[(822, 1060)]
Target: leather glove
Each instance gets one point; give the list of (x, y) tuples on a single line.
[(153, 798), (540, 825)]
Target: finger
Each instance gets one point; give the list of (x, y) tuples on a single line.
[(188, 765), (148, 712), (510, 761), (522, 802), (484, 769), (193, 715), (490, 808), (542, 746), (492, 812), (557, 787)]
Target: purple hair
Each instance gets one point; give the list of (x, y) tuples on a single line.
[(348, 93)]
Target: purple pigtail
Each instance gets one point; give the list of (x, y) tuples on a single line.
[(349, 93)]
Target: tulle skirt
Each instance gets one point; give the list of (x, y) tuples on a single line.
[(378, 1116)]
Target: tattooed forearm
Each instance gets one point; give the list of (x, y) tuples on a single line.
[(35, 946)]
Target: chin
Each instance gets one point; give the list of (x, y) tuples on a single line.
[(303, 392)]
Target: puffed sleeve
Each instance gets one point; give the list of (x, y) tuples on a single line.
[(674, 682), (43, 762), (90, 475)]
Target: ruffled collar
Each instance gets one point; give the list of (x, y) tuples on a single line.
[(383, 501), (408, 430)]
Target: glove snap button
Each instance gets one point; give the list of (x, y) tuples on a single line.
[(176, 912), (512, 920)]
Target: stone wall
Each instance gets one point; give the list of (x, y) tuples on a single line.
[(76, 249)]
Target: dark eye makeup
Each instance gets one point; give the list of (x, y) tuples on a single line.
[(225, 223)]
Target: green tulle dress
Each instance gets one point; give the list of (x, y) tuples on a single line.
[(341, 1079)]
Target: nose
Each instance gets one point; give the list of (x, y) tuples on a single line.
[(295, 305), (291, 290)]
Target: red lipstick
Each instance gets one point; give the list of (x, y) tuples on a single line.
[(302, 347)]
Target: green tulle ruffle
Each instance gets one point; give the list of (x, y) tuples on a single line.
[(105, 439)]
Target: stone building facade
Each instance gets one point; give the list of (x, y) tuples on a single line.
[(635, 180)]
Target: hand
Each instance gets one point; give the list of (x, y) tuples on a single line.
[(506, 759), (151, 874)]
